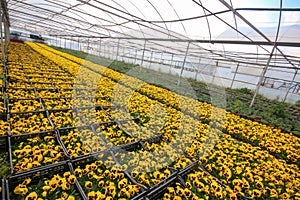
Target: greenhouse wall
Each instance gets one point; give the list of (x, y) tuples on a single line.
[(275, 84)]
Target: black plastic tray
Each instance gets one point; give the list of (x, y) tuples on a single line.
[(12, 100), (23, 89), (3, 183), (26, 114), (38, 174), (65, 130), (106, 154), (16, 139)]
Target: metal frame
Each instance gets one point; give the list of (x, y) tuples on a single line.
[(118, 30)]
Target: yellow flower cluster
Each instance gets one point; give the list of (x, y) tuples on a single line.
[(4, 127), (92, 115), (203, 110), (103, 182), (58, 187), (25, 106), (287, 146), (250, 171), (81, 142), (35, 152), (29, 123), (148, 168), (247, 170), (199, 186), (65, 119), (59, 103), (20, 93), (2, 108), (114, 136)]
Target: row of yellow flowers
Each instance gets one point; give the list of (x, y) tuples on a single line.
[(144, 110), (20, 93), (4, 127), (81, 142), (157, 174), (199, 186), (104, 179), (260, 134), (59, 186), (258, 193), (29, 123), (36, 151)]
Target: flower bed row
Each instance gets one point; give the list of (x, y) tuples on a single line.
[(248, 131), (183, 142)]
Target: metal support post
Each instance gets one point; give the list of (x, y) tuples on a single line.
[(197, 69), (184, 60), (171, 63), (293, 80), (99, 48), (71, 41), (236, 70), (2, 42), (135, 56), (118, 49), (143, 53), (151, 58), (261, 78), (78, 44)]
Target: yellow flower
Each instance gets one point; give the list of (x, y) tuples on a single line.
[(188, 185), (88, 184), (91, 195), (111, 190), (72, 179), (44, 194), (238, 170), (67, 174), (17, 153), (71, 197), (78, 172), (134, 174), (259, 184), (101, 183), (122, 183), (273, 193), (233, 196), (53, 184), (219, 195), (124, 192), (26, 181), (32, 196), (285, 196), (21, 189), (65, 185), (187, 193), (256, 193), (46, 187), (177, 198)]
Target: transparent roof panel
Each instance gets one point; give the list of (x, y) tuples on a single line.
[(215, 28), (205, 19)]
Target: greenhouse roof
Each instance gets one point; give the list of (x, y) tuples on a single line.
[(167, 18), (213, 26)]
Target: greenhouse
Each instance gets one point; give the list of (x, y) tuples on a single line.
[(150, 100)]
